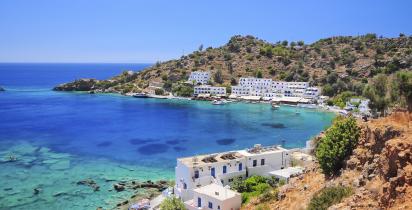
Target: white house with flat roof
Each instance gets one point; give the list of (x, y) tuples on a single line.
[(207, 89), (222, 168), (199, 77), (214, 196)]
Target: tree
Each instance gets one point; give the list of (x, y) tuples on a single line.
[(376, 92), (402, 82), (172, 203), (337, 144), (259, 74), (267, 51), (293, 44), (301, 43), (201, 47), (285, 43), (218, 77), (327, 90), (233, 81), (159, 91)]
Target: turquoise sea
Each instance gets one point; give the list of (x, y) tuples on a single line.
[(56, 139)]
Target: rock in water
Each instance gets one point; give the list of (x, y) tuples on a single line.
[(89, 182), (119, 187), (2, 89)]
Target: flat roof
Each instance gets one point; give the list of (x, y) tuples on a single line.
[(225, 157), (287, 172), (257, 149), (216, 191), (202, 160)]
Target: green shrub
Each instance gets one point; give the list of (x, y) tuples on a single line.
[(328, 197), (338, 143), (182, 90), (252, 187), (159, 91), (268, 195), (172, 203)]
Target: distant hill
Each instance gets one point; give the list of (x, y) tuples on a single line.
[(342, 63)]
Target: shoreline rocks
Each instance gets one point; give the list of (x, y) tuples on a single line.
[(78, 85), (158, 185), (89, 182)]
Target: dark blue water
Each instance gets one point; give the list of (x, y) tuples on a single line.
[(145, 131)]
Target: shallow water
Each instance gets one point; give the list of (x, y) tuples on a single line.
[(61, 138)]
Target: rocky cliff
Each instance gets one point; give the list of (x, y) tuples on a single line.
[(379, 171)]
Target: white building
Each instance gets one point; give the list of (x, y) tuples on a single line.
[(361, 104), (252, 86), (312, 92), (223, 168), (267, 88), (207, 89), (199, 77), (214, 196)]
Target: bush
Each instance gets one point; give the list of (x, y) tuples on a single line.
[(172, 203), (251, 187), (328, 197), (339, 141), (159, 91), (327, 90), (268, 195), (341, 99), (182, 90)]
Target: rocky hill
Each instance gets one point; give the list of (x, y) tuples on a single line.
[(350, 61), (342, 64), (379, 171)]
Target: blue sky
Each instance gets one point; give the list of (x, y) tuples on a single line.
[(148, 31)]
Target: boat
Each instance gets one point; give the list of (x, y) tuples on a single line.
[(275, 106), (216, 102), (308, 106), (140, 95)]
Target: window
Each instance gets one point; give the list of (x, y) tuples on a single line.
[(218, 207), (212, 172), (262, 162), (240, 166), (199, 202), (210, 205), (254, 163), (196, 174), (224, 169), (184, 186)]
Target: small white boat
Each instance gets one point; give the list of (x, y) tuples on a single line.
[(140, 95), (216, 102), (275, 107)]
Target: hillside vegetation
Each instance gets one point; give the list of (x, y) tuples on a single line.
[(337, 64)]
